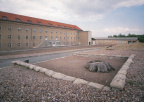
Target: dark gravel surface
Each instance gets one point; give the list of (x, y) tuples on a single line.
[(24, 85)]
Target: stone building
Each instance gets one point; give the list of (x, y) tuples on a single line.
[(23, 32), (111, 41)]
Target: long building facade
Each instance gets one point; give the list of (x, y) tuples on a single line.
[(114, 41), (23, 32)]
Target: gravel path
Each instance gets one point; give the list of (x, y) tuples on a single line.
[(24, 85)]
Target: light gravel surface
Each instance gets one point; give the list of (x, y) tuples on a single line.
[(24, 85)]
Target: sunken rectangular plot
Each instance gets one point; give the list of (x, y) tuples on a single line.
[(75, 66)]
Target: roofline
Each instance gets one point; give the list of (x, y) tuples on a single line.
[(68, 25), (37, 24), (118, 38)]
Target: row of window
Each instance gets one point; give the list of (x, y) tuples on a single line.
[(34, 30), (34, 37), (27, 44), (113, 41)]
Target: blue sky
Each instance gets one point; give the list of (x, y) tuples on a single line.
[(102, 17)]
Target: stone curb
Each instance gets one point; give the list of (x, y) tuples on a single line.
[(119, 80), (98, 56), (61, 76)]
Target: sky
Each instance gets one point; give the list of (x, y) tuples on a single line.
[(102, 17)]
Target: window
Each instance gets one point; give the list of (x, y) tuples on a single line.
[(60, 37), (39, 23), (40, 30), (9, 36), (34, 37), (0, 27), (64, 37), (40, 37), (0, 45), (46, 31), (64, 32), (56, 32), (33, 44), (19, 29), (78, 37), (34, 30), (67, 37), (60, 32), (26, 44), (29, 21), (18, 44), (74, 37), (51, 31), (9, 45), (27, 37), (4, 17), (27, 29), (18, 36), (0, 36), (71, 37), (51, 37), (9, 28), (18, 19)]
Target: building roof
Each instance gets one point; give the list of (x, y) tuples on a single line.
[(32, 20), (118, 38)]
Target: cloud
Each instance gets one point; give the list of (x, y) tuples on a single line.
[(74, 10)]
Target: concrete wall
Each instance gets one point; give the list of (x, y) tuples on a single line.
[(84, 38)]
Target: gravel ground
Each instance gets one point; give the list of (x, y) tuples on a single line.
[(15, 54), (24, 85)]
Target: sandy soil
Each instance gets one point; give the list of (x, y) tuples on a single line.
[(75, 66)]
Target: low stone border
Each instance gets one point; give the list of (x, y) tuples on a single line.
[(61, 76), (119, 79), (98, 56)]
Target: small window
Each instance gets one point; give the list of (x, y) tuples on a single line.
[(60, 37), (19, 29), (46, 31), (67, 37), (34, 30), (0, 27), (0, 45), (18, 36), (60, 32), (71, 37), (39, 23), (9, 28), (64, 32), (40, 30), (0, 36), (9, 37), (9, 45), (27, 37), (18, 19), (74, 37), (4, 17), (51, 31), (33, 44), (26, 44), (56, 32), (27, 29), (34, 37), (64, 37), (18, 44), (29, 21), (51, 37), (40, 37)]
